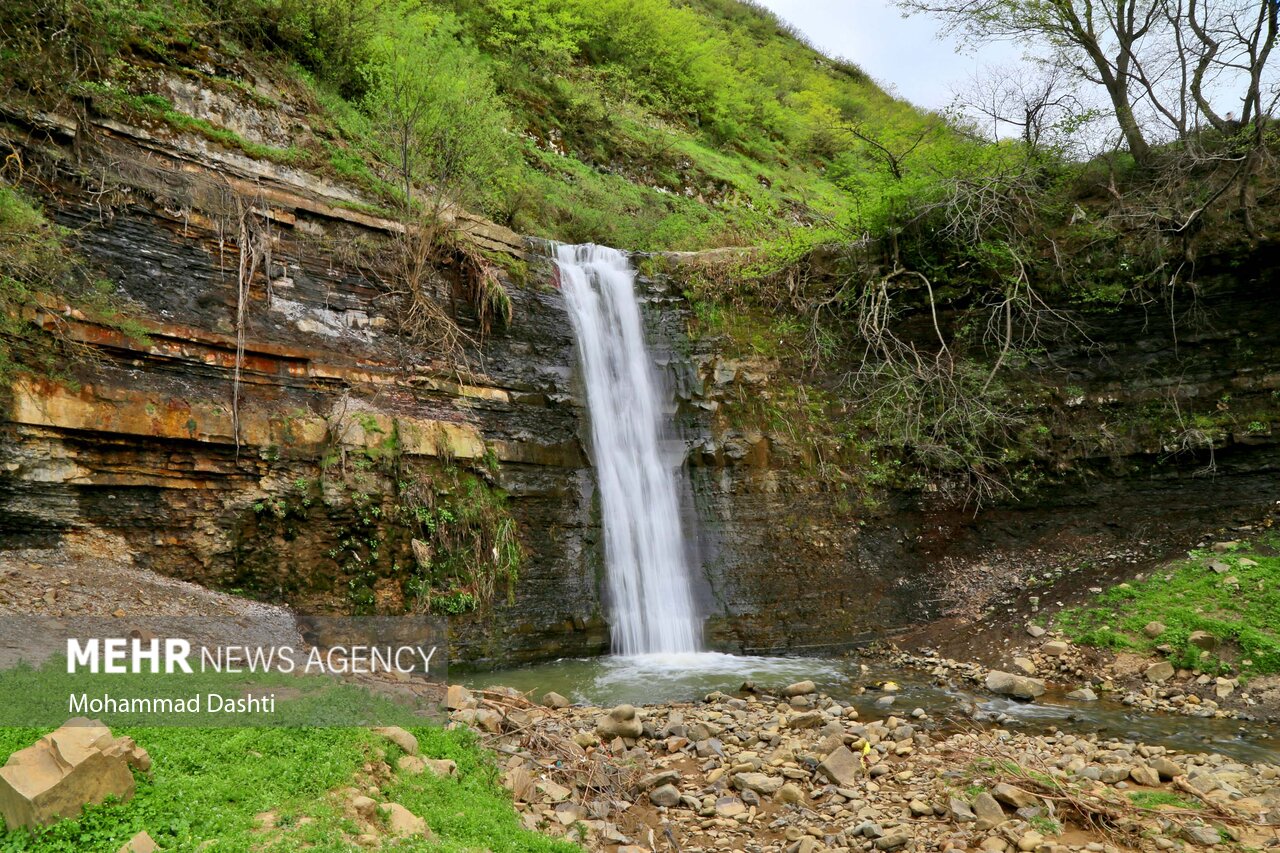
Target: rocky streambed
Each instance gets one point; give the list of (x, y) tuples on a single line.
[(797, 770)]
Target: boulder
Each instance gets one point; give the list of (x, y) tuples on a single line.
[(1084, 694), (1154, 629), (403, 823), (1035, 631), (622, 721), (442, 766), (458, 698), (800, 688), (961, 811), (79, 764), (841, 767), (399, 737), (730, 807), (1159, 672), (552, 699), (1144, 775), (1014, 797), (1203, 640), (1019, 686), (988, 811), (1166, 768), (1026, 666), (1056, 648)]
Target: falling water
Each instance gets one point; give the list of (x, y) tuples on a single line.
[(648, 574)]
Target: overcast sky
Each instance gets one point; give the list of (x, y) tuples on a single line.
[(902, 54)]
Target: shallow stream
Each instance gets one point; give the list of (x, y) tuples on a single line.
[(655, 679)]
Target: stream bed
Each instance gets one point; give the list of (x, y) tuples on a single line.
[(673, 678)]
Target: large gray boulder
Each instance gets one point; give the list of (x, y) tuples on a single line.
[(1018, 686)]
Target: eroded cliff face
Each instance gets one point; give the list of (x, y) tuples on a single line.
[(1148, 434), (153, 449)]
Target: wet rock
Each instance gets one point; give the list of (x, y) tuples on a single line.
[(79, 764), (800, 688), (1008, 684), (1084, 694)]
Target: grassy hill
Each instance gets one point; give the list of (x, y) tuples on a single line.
[(647, 124)]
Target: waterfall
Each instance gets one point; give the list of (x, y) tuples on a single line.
[(648, 574)]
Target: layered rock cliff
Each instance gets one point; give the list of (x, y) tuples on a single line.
[(223, 451)]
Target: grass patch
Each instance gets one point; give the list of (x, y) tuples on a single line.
[(208, 784), (1158, 799), (1239, 607)]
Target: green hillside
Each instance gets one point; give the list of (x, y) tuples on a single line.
[(647, 124)]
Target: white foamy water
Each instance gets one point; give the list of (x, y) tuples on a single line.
[(651, 600)]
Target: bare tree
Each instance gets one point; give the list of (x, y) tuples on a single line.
[(1044, 109), (1164, 65)]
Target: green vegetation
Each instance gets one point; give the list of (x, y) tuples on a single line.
[(655, 124), (407, 534), (1158, 799), (211, 783), (1239, 608), (37, 267)]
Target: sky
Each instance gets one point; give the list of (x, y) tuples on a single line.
[(904, 55)]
